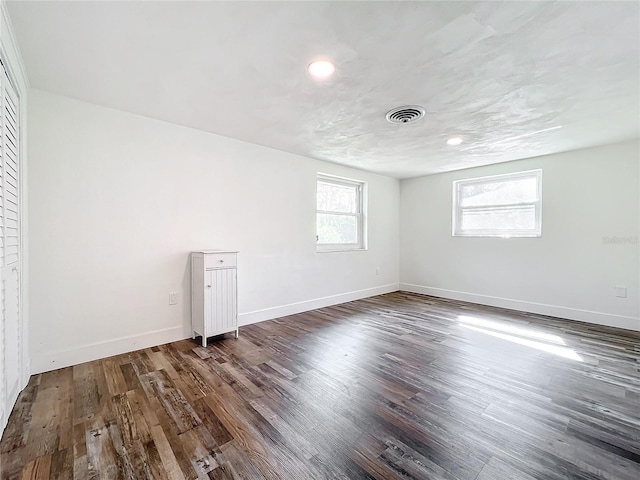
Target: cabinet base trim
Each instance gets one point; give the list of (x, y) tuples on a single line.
[(292, 308), (588, 316)]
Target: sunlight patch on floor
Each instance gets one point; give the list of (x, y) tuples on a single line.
[(545, 342)]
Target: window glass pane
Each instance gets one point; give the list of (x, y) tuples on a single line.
[(337, 228), (499, 219), (337, 198), (499, 192)]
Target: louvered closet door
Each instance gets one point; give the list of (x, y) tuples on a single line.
[(10, 333)]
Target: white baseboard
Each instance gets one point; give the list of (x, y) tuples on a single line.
[(299, 307), (600, 318), (44, 362), (59, 359), (94, 351)]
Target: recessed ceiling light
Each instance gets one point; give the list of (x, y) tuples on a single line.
[(454, 141), (321, 68)]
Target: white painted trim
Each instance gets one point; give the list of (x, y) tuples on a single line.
[(93, 351), (10, 46), (282, 311), (360, 214), (44, 362), (14, 66), (457, 211), (600, 318)]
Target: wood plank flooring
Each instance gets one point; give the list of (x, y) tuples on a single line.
[(397, 386)]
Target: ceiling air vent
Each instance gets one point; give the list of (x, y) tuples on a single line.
[(405, 114)]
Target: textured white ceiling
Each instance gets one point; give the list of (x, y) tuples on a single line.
[(486, 71)]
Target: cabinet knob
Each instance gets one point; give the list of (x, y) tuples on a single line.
[(221, 261), (208, 286)]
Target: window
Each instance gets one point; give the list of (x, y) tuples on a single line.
[(340, 214), (499, 206)]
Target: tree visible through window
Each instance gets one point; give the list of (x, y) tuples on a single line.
[(499, 206), (339, 215)]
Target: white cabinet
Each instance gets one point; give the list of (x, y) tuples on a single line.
[(214, 296)]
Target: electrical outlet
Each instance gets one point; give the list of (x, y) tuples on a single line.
[(621, 292), (173, 298), (377, 270)]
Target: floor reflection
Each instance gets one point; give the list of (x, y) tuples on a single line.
[(545, 342)]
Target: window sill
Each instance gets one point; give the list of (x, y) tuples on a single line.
[(335, 250), (496, 235)]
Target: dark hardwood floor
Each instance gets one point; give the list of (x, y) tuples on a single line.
[(395, 386)]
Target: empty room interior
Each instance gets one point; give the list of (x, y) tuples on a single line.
[(320, 240)]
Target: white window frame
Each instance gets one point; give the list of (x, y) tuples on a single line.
[(360, 188), (456, 229)]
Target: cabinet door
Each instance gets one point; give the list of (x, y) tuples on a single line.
[(220, 301)]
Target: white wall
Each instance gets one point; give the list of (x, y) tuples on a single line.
[(117, 202), (589, 197)]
